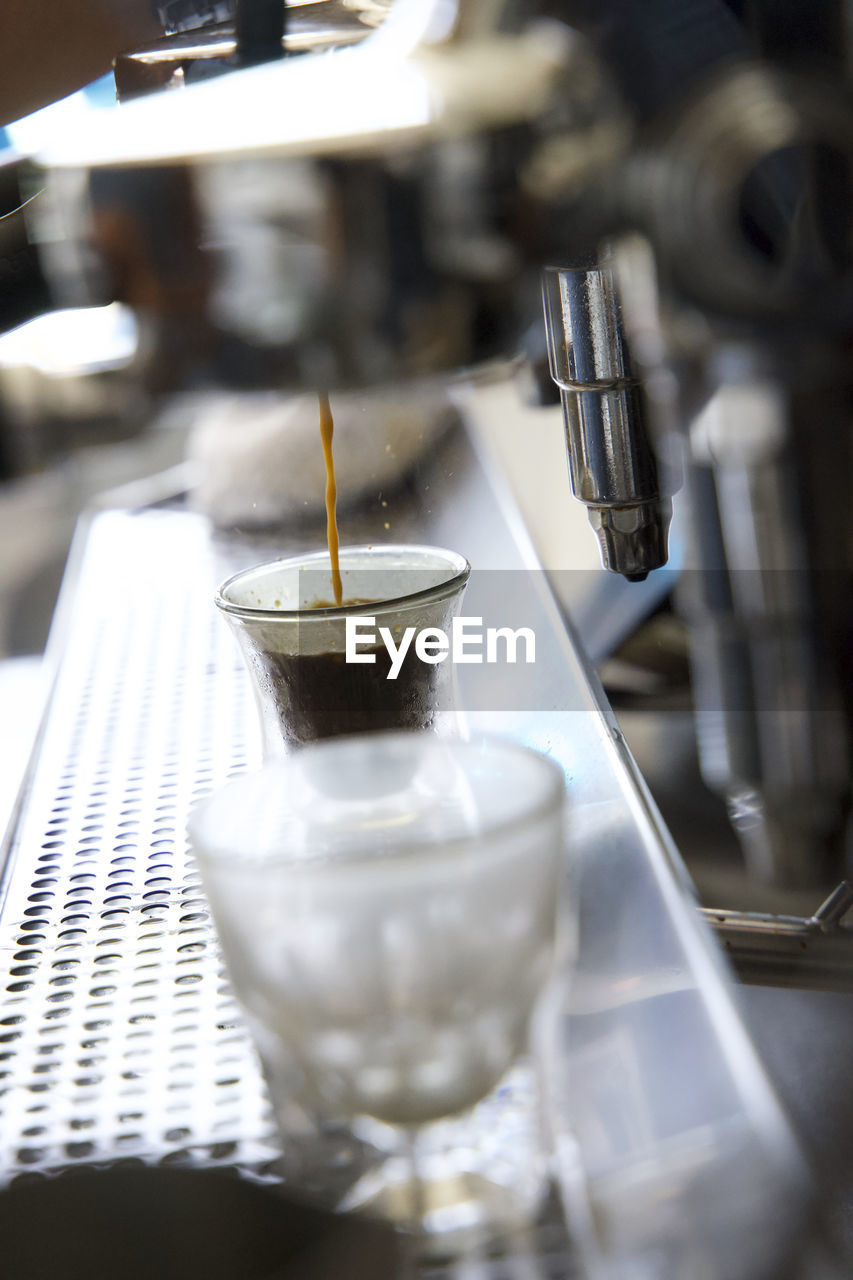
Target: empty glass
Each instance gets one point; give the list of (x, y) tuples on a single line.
[(293, 638), (387, 909)]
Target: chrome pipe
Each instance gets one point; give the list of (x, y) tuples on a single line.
[(814, 952), (611, 460)]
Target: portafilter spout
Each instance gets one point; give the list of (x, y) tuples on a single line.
[(612, 464)]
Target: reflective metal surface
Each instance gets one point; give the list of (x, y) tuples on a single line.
[(742, 330), (196, 53), (382, 213), (369, 215), (613, 467), (769, 633), (120, 1036), (791, 951)]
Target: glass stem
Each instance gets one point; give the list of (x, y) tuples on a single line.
[(417, 1200)]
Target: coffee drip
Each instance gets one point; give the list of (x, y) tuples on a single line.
[(327, 428)]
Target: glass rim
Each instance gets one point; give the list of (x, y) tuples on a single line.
[(551, 802), (459, 568)]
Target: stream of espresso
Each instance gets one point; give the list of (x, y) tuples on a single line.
[(327, 427)]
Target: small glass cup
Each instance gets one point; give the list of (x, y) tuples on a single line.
[(387, 907), (293, 639)]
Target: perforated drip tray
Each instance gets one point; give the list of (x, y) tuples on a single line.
[(119, 1035), (119, 1038)]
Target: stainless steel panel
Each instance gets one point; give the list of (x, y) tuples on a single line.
[(118, 1034)]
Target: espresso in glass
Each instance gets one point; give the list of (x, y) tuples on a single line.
[(295, 645), (322, 695)]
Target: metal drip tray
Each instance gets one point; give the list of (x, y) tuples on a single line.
[(119, 1034), (119, 1038)]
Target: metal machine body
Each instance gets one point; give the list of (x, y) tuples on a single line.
[(383, 212)]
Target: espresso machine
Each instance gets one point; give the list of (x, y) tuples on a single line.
[(650, 200), (681, 177)]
